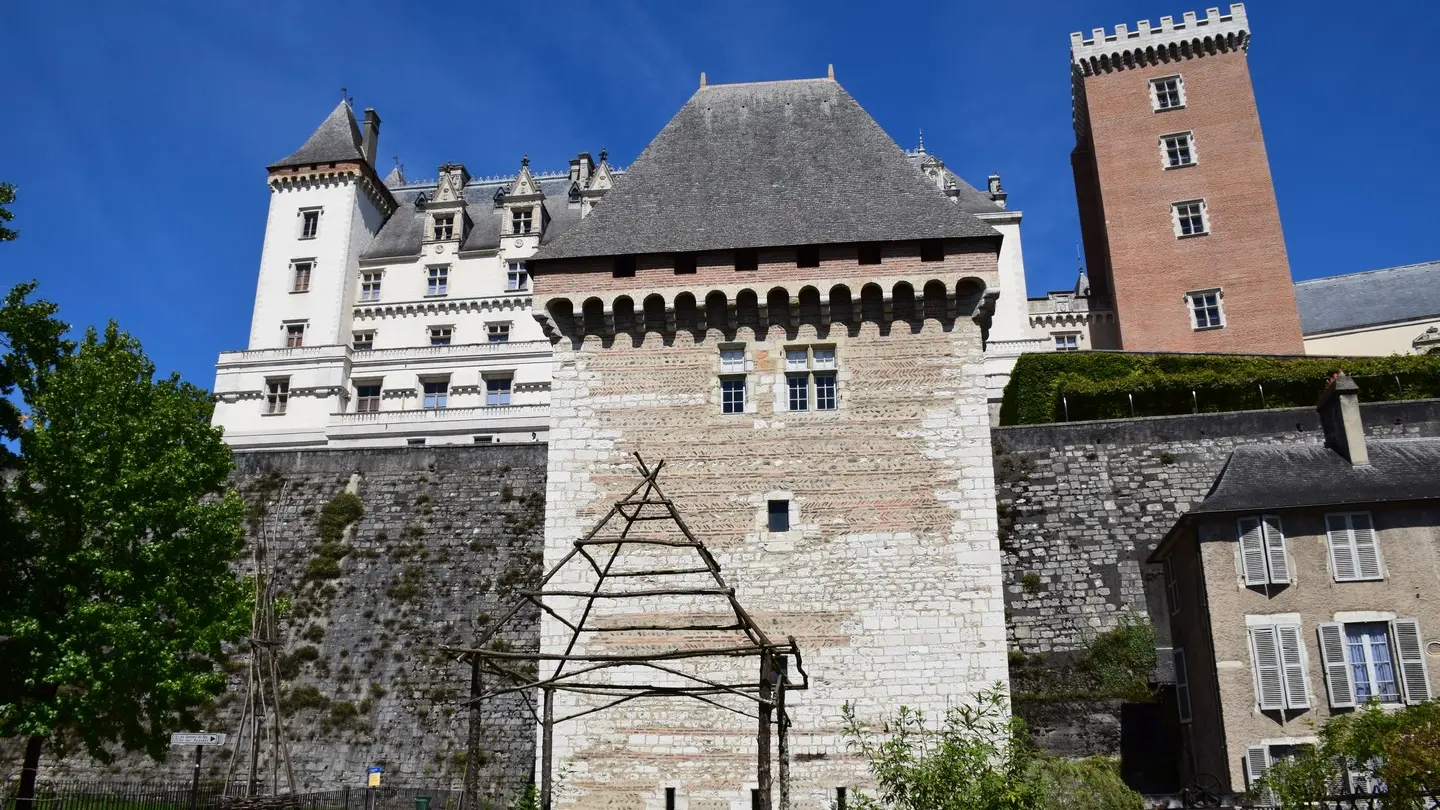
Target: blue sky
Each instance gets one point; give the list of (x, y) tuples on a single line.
[(138, 133)]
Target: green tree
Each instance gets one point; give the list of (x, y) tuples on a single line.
[(7, 197), (118, 593), (979, 757), (1086, 784)]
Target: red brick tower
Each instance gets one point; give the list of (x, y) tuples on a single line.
[(1177, 208)]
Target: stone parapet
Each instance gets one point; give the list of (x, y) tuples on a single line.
[(1170, 41)]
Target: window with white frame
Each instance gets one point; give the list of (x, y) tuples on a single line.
[(1172, 586), (517, 277), (497, 332), (1190, 218), (370, 286), (367, 397), (497, 390), (277, 395), (1068, 342), (1354, 552), (733, 368), (437, 281), (522, 220), (444, 227), (1167, 93), (309, 223), (1259, 759), (363, 341), (435, 394), (300, 275), (1277, 657), (1178, 149), (1379, 660), (1182, 687), (1206, 308), (810, 380), (1263, 560), (294, 335), (440, 335)]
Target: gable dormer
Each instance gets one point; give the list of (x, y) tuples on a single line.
[(934, 168), (524, 205), (601, 181), (445, 216)]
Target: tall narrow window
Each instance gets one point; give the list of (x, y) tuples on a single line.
[(1262, 551), (440, 335), (1206, 309), (294, 335), (1178, 150), (444, 227), (370, 286), (437, 282), (302, 276), (810, 376), (309, 223), (435, 394), (363, 341), (1167, 93), (1278, 658), (1182, 686), (516, 277), (522, 220), (497, 390), (1172, 586), (732, 379), (1189, 218), (1372, 664), (277, 395), (367, 397)]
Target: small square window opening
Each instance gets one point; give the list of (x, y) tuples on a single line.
[(1167, 93), (1190, 218), (440, 335), (732, 361), (779, 515), (868, 253), (1178, 149), (807, 256), (932, 250), (684, 264), (497, 333), (1067, 343), (747, 259), (363, 341), (624, 267)]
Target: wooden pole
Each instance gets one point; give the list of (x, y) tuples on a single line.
[(762, 738), (783, 730), (547, 748), (471, 800)]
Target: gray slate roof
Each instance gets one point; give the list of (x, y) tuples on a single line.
[(766, 164), (1369, 299), (402, 234), (336, 139), (969, 197), (1259, 477)]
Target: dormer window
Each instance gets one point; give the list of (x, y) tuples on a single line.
[(522, 220), (444, 227), (420, 201), (574, 192), (500, 197)]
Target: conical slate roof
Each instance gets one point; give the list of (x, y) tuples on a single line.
[(766, 164), (336, 139)]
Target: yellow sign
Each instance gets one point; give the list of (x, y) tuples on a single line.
[(374, 779)]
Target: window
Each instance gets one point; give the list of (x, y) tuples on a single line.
[(1374, 659), (747, 259), (363, 341), (624, 267), (1262, 551), (684, 264), (1278, 659), (779, 515), (294, 335), (669, 798), (810, 376), (497, 332), (1259, 759), (437, 282), (1182, 686), (1167, 93), (1067, 343), (1354, 554), (370, 286), (436, 394), (517, 278), (841, 800), (732, 361), (1178, 150), (483, 438), (444, 227), (309, 223), (807, 256), (497, 390), (1189, 218), (277, 395), (1206, 311), (732, 395), (932, 250), (301, 282), (1172, 586), (367, 397), (418, 441), (440, 335), (522, 220), (868, 253)]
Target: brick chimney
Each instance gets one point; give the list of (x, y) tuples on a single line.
[(1340, 417), (370, 135)]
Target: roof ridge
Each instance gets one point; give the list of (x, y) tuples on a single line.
[(1354, 273), (710, 86)]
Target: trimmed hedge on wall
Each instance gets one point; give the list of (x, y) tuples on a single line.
[(1081, 386)]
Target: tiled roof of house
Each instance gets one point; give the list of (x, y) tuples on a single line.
[(1267, 477), (1376, 297), (402, 235)]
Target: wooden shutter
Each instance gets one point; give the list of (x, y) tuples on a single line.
[(1275, 551), (1257, 764), (1269, 680), (1412, 660), (1367, 550), (1182, 687), (1252, 552), (1337, 669), (1292, 664), (1342, 549)]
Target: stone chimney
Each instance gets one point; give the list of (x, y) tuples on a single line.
[(1340, 418), (580, 169), (997, 193), (370, 135)]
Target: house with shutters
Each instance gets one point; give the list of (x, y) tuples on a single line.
[(1302, 587)]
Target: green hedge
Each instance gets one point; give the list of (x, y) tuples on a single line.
[(1080, 386)]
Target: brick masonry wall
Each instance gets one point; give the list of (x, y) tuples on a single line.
[(447, 536), (1245, 251)]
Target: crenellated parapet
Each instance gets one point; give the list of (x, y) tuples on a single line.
[(1170, 41)]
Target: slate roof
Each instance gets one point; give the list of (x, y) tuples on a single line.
[(766, 164), (1369, 299), (969, 198), (1258, 477), (401, 235), (336, 139)]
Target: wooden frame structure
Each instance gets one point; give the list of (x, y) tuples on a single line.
[(621, 561)]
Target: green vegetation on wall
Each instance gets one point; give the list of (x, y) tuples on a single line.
[(1077, 387)]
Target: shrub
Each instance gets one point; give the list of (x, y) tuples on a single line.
[(1121, 659), (1030, 581), (1086, 784), (342, 510)]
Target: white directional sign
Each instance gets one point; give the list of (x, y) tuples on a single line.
[(197, 738)]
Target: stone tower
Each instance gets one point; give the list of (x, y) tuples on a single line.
[(1177, 208), (779, 304)]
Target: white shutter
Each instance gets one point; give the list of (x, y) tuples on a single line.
[(1257, 764), (1342, 549), (1337, 669), (1367, 550), (1292, 663), (1265, 654), (1412, 661), (1182, 687), (1275, 551), (1252, 552)]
